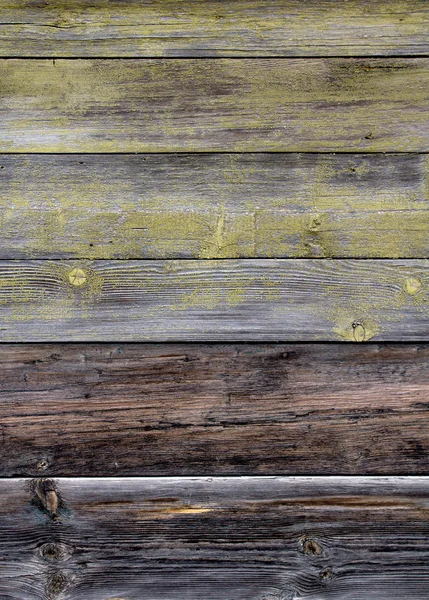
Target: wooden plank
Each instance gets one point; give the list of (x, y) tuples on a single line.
[(214, 206), (159, 105), (190, 409), (249, 538), (224, 300), (214, 28)]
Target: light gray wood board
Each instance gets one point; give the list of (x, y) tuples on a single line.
[(214, 206), (247, 538), (223, 300), (194, 28), (240, 105), (202, 409)]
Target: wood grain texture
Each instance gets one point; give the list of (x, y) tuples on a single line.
[(291, 105), (250, 538), (224, 300), (214, 206), (133, 28), (190, 409)]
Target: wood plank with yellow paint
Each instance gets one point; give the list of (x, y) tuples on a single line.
[(240, 105), (214, 300), (214, 206), (113, 28)]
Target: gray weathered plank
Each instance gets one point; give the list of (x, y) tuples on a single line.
[(213, 28), (223, 300), (214, 206), (250, 538), (191, 409), (159, 105)]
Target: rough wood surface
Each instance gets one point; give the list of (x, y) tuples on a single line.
[(190, 409), (214, 206), (160, 105), (245, 538), (223, 300), (194, 28)]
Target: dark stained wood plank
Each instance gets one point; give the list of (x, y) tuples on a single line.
[(250, 538), (189, 409), (159, 105), (214, 206), (223, 300), (194, 28)]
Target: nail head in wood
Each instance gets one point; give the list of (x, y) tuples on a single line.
[(77, 277), (413, 286)]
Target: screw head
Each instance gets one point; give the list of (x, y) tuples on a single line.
[(77, 277)]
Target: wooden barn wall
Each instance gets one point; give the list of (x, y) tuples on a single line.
[(214, 299)]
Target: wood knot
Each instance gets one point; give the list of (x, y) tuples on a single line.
[(55, 552), (311, 547), (56, 583), (359, 332), (326, 576), (42, 465), (46, 494), (77, 277)]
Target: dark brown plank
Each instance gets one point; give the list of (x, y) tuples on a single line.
[(223, 300), (131, 409), (213, 28), (215, 539), (214, 206), (243, 105)]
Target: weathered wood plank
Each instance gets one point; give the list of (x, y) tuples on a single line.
[(214, 206), (224, 300), (188, 409), (245, 538), (194, 28), (376, 105)]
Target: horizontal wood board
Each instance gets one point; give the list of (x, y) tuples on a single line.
[(215, 539), (168, 28), (190, 409), (159, 105), (223, 300), (214, 206)]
